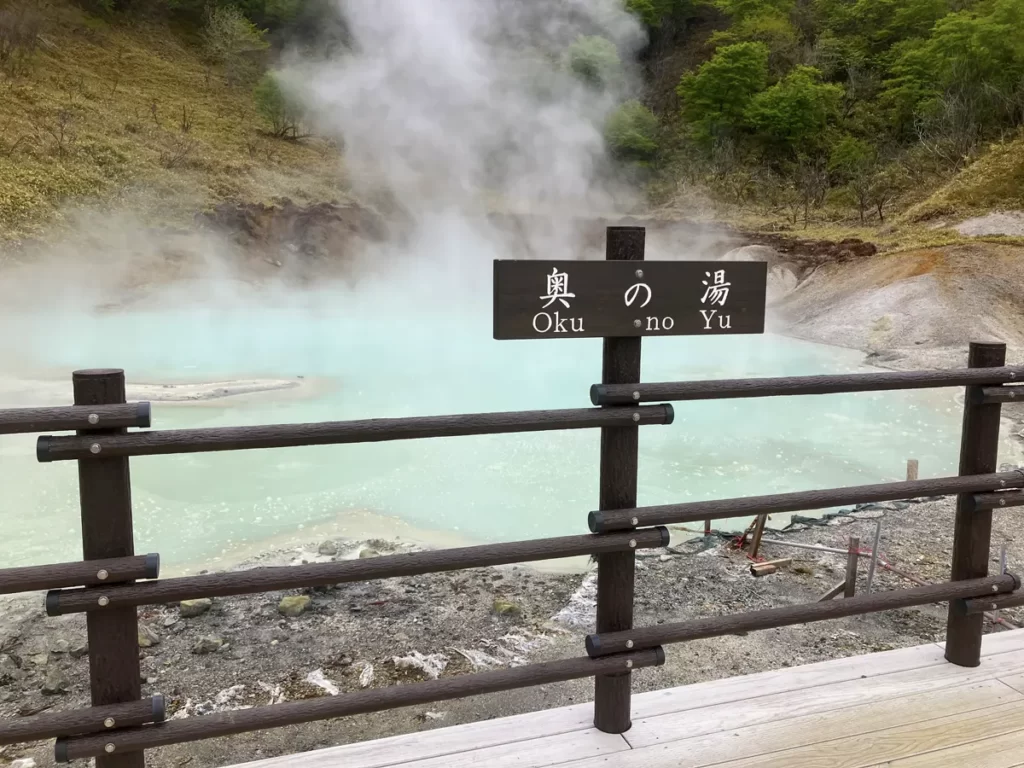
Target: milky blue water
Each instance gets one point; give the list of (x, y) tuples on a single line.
[(405, 359)]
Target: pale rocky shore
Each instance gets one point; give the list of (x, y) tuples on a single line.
[(30, 391)]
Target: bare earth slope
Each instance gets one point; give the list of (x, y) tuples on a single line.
[(913, 308)]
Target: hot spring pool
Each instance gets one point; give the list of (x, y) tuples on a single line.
[(203, 508)]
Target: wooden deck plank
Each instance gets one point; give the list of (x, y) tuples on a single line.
[(765, 705), (535, 753), (773, 739), (441, 741), (527, 753), (892, 744), (999, 642), (1005, 751), (712, 692), (1013, 680)]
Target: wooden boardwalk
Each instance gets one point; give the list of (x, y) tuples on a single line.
[(907, 708)]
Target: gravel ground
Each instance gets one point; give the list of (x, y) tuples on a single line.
[(243, 652)]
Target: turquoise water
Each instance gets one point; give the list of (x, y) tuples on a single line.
[(409, 357)]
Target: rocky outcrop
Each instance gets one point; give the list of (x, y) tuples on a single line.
[(310, 232)]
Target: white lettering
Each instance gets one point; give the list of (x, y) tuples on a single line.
[(708, 314), (725, 322), (668, 323), (652, 324), (545, 323)]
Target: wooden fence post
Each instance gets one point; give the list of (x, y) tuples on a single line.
[(105, 493), (972, 532), (852, 561), (619, 455)]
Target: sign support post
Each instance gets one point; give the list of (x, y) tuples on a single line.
[(619, 460), (620, 300)]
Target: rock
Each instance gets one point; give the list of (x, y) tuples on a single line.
[(208, 644), (189, 609), (10, 670), (23, 762), (170, 621), (147, 636), (60, 646), (506, 608), (80, 650), (368, 553), (56, 682), (328, 548), (293, 605), (317, 678), (365, 674), (418, 666), (33, 706)]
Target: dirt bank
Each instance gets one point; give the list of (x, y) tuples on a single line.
[(910, 309)]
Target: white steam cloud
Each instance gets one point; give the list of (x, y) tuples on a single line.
[(470, 102)]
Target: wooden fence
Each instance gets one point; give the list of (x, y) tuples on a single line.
[(111, 581)]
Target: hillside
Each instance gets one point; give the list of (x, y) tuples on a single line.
[(123, 109), (125, 113), (995, 181)]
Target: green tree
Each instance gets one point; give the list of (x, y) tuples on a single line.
[(654, 12), (771, 27), (632, 133), (855, 162), (595, 60), (883, 23), (791, 117), (716, 96), (744, 9), (282, 112), (966, 78), (230, 41)]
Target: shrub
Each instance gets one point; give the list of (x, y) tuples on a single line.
[(632, 133), (595, 60), (282, 112), (230, 41), (19, 37)]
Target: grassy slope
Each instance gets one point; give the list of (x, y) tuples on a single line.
[(995, 181), (120, 91)]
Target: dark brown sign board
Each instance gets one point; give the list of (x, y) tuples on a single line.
[(581, 299)]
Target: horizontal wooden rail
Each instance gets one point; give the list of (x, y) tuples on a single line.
[(73, 417), (278, 715), (720, 389), (1013, 394), (749, 506), (999, 500), (79, 721), (59, 602), (82, 574), (985, 604), (715, 626), (50, 448)]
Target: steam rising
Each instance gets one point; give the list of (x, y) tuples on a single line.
[(445, 100)]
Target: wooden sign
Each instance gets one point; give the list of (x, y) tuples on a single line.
[(566, 299)]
